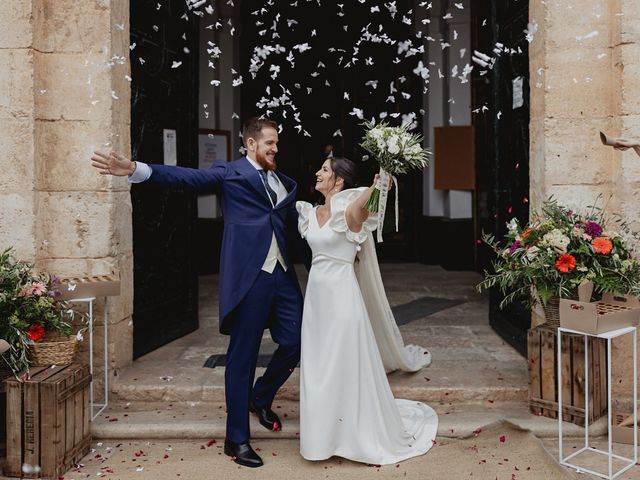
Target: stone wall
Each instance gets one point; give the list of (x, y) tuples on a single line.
[(585, 77), (63, 94)]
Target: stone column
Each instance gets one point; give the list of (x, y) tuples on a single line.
[(572, 99), (585, 77), (64, 95), (17, 124)]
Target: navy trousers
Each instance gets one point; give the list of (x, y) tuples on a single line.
[(274, 302)]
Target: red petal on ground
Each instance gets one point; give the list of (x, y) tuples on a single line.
[(503, 438), (210, 442)]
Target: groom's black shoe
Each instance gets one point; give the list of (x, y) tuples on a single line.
[(242, 454), (267, 417)]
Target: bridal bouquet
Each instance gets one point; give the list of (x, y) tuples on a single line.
[(397, 151), (560, 249)]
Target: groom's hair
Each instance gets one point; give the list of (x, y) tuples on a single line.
[(252, 128)]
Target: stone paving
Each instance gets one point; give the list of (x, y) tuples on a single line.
[(475, 378)]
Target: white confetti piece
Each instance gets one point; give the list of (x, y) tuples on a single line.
[(589, 35), (175, 64)]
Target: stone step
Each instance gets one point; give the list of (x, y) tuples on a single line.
[(445, 383), (206, 421)]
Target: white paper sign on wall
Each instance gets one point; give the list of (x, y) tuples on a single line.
[(518, 93), (170, 149)]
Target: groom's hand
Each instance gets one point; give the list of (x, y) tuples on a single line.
[(112, 164)]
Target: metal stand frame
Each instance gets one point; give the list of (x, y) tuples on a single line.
[(100, 406), (608, 336)]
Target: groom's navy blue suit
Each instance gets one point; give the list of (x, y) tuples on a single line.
[(250, 299)]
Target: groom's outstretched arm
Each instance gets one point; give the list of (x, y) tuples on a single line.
[(202, 181)]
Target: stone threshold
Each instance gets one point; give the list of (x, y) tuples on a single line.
[(206, 421)]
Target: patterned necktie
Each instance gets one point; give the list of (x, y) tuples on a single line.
[(265, 180)]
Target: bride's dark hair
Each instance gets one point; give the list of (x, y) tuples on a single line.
[(345, 169)]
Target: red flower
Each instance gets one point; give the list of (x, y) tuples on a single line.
[(35, 332), (565, 263)]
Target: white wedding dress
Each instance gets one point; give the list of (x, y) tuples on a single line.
[(346, 404)]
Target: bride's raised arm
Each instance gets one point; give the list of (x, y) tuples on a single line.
[(356, 214)]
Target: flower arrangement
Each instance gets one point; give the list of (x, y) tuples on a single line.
[(28, 309), (559, 250), (397, 151)]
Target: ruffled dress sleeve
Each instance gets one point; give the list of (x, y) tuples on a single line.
[(338, 222), (304, 211)]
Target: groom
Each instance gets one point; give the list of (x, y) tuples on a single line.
[(258, 284)]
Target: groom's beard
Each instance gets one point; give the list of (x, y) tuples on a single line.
[(265, 162)]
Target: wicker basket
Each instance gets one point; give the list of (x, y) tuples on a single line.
[(552, 309), (53, 350)]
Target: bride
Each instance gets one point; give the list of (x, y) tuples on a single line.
[(350, 338)]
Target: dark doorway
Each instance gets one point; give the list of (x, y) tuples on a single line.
[(502, 143), (163, 96), (329, 71)]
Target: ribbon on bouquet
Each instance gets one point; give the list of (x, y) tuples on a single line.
[(383, 186)]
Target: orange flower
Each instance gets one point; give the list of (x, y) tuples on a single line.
[(526, 233), (565, 263), (602, 245)]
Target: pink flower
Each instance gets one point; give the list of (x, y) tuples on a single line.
[(24, 291), (38, 288)]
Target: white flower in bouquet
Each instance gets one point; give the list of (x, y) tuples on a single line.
[(376, 133), (512, 226), (397, 151), (532, 252), (556, 240), (392, 145)]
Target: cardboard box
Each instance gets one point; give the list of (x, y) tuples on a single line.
[(611, 313), (619, 433), (85, 287)]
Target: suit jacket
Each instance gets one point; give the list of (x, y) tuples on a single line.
[(249, 221)]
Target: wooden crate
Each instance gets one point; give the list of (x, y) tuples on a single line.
[(543, 379), (48, 421)]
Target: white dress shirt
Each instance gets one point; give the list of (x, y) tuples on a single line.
[(274, 256)]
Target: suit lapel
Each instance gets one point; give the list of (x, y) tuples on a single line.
[(253, 177), (249, 172), (290, 186)]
